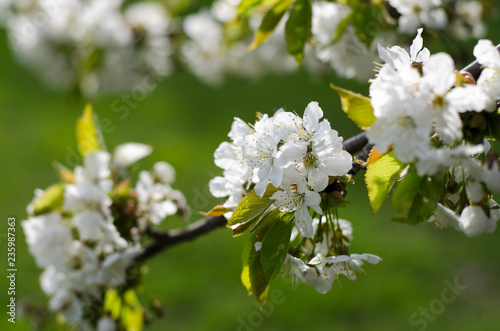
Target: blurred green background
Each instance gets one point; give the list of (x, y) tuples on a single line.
[(199, 282)]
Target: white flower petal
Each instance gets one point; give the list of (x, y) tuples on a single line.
[(127, 154)]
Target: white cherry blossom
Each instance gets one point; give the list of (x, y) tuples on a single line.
[(415, 13), (128, 154), (299, 202), (154, 198), (473, 221), (489, 56), (347, 265)]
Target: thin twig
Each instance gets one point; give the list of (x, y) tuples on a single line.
[(356, 143), (162, 240)]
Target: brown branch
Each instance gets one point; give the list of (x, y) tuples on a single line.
[(163, 240), (356, 143)]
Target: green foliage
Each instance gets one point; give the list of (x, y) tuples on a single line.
[(132, 313), (245, 272), (246, 5), (356, 106), (341, 28), (366, 20), (258, 279), (216, 211), (249, 209), (53, 199), (254, 276), (380, 177), (298, 28), (88, 135), (124, 308), (416, 198), (113, 303), (64, 173), (270, 21), (274, 247)]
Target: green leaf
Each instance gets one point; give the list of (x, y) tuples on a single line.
[(340, 29), (53, 199), (269, 22), (274, 247), (380, 177), (258, 279), (216, 211), (248, 210), (113, 303), (245, 273), (298, 28), (416, 198), (64, 173), (87, 132), (242, 228), (246, 5), (124, 308), (132, 313), (356, 106), (253, 275), (366, 20), (406, 191)]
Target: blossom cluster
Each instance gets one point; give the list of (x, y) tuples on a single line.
[(433, 14), (86, 231), (297, 158), (214, 56), (213, 52), (347, 54), (116, 45), (320, 262), (425, 112), (92, 45), (297, 155), (335, 44)]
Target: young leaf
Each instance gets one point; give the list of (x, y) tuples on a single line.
[(241, 228), (380, 177), (374, 156), (132, 312), (298, 28), (216, 211), (112, 303), (64, 173), (274, 247), (366, 20), (246, 5), (52, 199), (341, 28), (258, 278), (245, 273), (269, 22), (416, 197), (356, 106), (253, 276), (406, 191), (248, 210), (87, 132)]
